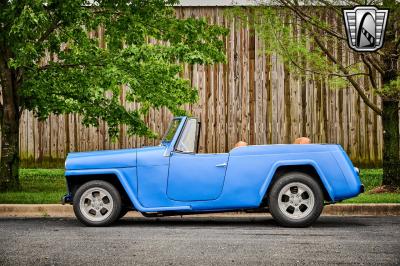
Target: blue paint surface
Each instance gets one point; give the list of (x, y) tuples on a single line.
[(158, 179), (196, 177)]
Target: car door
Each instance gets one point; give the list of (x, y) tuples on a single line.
[(191, 176)]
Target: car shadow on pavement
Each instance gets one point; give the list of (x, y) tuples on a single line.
[(196, 221), (188, 221), (323, 222)]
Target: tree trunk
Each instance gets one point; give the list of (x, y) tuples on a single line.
[(390, 105), (390, 123), (9, 116), (391, 154), (9, 165)]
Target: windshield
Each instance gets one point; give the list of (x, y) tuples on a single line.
[(187, 141), (173, 126)]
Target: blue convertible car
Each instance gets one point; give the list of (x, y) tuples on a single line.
[(292, 182)]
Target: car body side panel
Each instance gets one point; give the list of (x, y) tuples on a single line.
[(196, 177), (248, 177), (330, 161), (153, 185), (152, 172), (150, 156), (351, 176)]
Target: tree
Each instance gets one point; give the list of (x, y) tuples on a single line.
[(86, 72), (278, 25)]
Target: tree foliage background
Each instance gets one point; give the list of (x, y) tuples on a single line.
[(86, 73)]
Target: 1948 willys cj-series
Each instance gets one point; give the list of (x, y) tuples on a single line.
[(292, 182)]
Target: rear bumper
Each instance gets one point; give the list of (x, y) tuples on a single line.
[(67, 198), (362, 188)]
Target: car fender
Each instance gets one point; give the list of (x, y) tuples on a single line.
[(312, 163), (127, 187)]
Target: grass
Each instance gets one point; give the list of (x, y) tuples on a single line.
[(48, 185), (375, 198), (38, 186), (372, 178)]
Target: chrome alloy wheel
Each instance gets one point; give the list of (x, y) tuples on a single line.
[(296, 200), (96, 204)]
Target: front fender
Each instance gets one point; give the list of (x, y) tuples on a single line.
[(128, 183)]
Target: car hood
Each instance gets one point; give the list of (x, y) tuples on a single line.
[(101, 159), (106, 159)]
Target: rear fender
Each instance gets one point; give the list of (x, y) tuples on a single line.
[(311, 163)]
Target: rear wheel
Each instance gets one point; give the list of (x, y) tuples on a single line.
[(295, 200), (97, 203)]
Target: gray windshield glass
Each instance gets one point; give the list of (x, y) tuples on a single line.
[(187, 141)]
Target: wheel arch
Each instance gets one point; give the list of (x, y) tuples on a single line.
[(74, 181), (308, 167), (130, 189)]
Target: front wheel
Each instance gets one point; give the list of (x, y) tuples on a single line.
[(97, 203), (295, 200)]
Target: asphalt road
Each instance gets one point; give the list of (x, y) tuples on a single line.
[(200, 241)]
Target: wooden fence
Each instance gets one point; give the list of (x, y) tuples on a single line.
[(252, 98)]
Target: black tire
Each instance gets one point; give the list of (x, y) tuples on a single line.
[(115, 202), (285, 217)]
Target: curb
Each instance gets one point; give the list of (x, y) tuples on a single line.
[(66, 211), (365, 209)]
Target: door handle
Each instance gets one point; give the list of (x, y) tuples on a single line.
[(221, 165)]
